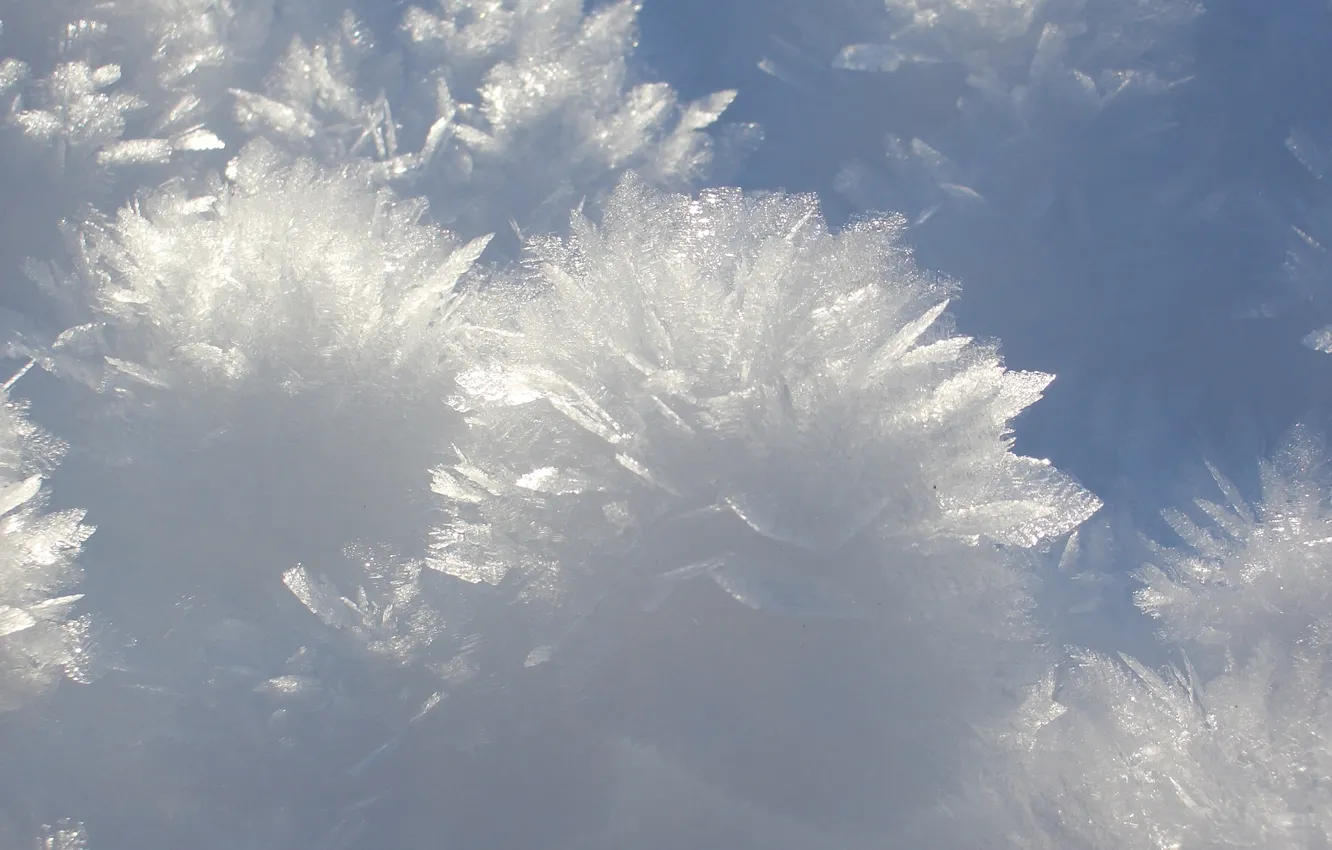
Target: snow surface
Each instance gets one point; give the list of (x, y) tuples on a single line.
[(665, 424)]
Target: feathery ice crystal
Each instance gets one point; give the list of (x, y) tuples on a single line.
[(288, 272), (501, 111), (1259, 573), (718, 386), (279, 331), (40, 641), (127, 82), (1231, 748)]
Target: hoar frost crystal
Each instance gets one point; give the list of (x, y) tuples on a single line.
[(718, 386), (1228, 748), (696, 440), (41, 640)]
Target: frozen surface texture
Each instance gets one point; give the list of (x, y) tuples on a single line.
[(469, 468)]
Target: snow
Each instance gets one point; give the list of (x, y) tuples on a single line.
[(664, 423)]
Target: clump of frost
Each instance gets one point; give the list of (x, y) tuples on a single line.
[(98, 88), (280, 273), (270, 351), (712, 410), (100, 98), (1228, 749), (501, 111), (279, 331), (718, 388), (1254, 574), (392, 612), (41, 640), (81, 115), (64, 835)]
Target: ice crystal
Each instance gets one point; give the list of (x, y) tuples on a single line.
[(1228, 752), (509, 110), (1251, 573), (257, 274), (42, 640), (268, 344), (390, 614), (1119, 755), (717, 386), (129, 83), (65, 835)]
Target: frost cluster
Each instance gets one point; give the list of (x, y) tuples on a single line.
[(718, 387), (42, 639), (252, 276), (503, 112), (95, 87), (249, 269), (1227, 748), (462, 469), (82, 113)]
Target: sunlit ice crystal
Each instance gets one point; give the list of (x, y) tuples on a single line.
[(715, 391), (1224, 747), (718, 388), (280, 272), (1250, 572), (43, 639), (264, 356), (725, 364), (253, 337)]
